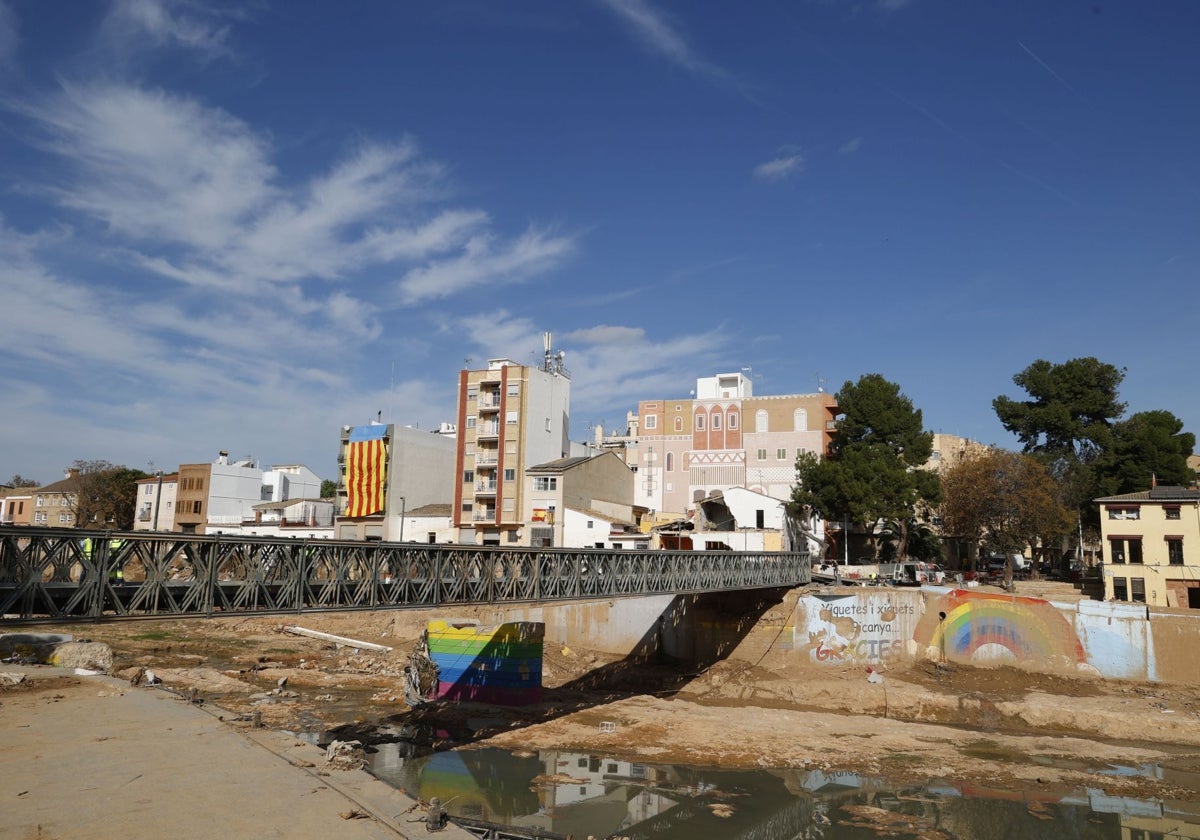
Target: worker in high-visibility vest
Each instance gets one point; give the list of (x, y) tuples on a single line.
[(117, 573)]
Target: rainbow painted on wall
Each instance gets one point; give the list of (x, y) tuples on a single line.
[(500, 664), (985, 627)]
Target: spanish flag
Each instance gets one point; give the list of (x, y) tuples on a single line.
[(366, 464)]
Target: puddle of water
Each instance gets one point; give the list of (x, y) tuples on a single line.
[(580, 794)]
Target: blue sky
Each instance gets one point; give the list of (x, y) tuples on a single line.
[(242, 225)]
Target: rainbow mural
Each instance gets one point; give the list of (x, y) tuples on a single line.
[(983, 627), (500, 664)]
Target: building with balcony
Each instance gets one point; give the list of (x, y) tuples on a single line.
[(155, 506), (1151, 547), (582, 502), (510, 417), (16, 506), (386, 471)]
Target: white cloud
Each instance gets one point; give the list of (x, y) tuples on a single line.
[(850, 146), (780, 168), (653, 29), (486, 260), (10, 37), (138, 24)]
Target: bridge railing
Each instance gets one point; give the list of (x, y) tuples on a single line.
[(57, 574)]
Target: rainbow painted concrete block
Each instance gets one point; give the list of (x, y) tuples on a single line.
[(500, 664)]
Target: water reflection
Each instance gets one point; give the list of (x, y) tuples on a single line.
[(558, 793)]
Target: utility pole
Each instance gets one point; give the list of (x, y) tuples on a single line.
[(157, 501)]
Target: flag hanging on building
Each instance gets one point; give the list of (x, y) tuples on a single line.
[(366, 466)]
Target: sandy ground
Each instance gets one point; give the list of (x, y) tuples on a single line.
[(922, 721)]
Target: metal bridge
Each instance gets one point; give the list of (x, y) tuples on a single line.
[(66, 574)]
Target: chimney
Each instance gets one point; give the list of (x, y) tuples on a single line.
[(223, 457)]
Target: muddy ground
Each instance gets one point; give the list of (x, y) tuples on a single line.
[(997, 726)]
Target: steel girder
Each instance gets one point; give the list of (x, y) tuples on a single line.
[(56, 574)]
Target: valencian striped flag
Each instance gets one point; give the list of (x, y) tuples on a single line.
[(366, 461)]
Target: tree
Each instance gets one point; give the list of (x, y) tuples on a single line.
[(20, 481), (1005, 501), (1066, 424), (103, 495), (328, 488), (872, 473), (1150, 446)]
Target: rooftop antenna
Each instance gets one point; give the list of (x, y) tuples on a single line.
[(820, 383), (552, 362)]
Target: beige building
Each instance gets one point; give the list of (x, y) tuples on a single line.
[(155, 507), (510, 417), (16, 506), (54, 504), (581, 502), (1151, 547)]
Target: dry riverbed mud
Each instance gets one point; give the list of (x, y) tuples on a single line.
[(922, 721)]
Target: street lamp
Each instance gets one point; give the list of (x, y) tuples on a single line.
[(403, 503), (157, 501)]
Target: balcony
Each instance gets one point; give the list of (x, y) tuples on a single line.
[(144, 515), (487, 430), (486, 460), (483, 516), (488, 402), (485, 488)]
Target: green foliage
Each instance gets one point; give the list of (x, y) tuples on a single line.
[(872, 472), (104, 495), (328, 488), (1070, 411), (1149, 446)]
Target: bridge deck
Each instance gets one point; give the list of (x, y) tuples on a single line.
[(61, 574)]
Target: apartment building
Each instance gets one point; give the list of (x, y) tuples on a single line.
[(54, 504), (510, 417), (385, 472), (721, 437), (1151, 545), (155, 507), (16, 506), (581, 502)]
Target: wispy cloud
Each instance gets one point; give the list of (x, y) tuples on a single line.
[(653, 29), (142, 24), (780, 168), (10, 37), (893, 5), (850, 146), (1048, 69)]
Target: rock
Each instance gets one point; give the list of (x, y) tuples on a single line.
[(92, 656), (345, 755)]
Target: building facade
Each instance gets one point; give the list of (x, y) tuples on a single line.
[(579, 502), (510, 417), (724, 437), (1151, 547), (156, 500), (386, 471)]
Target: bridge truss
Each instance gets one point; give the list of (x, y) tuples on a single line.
[(62, 574)]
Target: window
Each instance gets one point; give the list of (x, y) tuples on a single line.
[(651, 422), (542, 482), (471, 422), (1175, 551), (1172, 512), (590, 525), (760, 420), (509, 505), (583, 763), (781, 454), (196, 507), (510, 474), (466, 506), (1137, 590), (762, 454), (148, 490), (64, 517), (699, 422), (1120, 591), (716, 422), (679, 424), (1135, 551), (468, 476), (39, 501), (1124, 513), (800, 420), (472, 391), (514, 388), (731, 420), (670, 461), (510, 417)]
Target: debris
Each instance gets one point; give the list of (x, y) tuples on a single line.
[(720, 809), (345, 755), (354, 815), (607, 726), (88, 672), (145, 676), (95, 656), (11, 678), (874, 676), (281, 682), (341, 640)]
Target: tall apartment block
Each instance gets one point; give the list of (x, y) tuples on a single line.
[(510, 417)]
